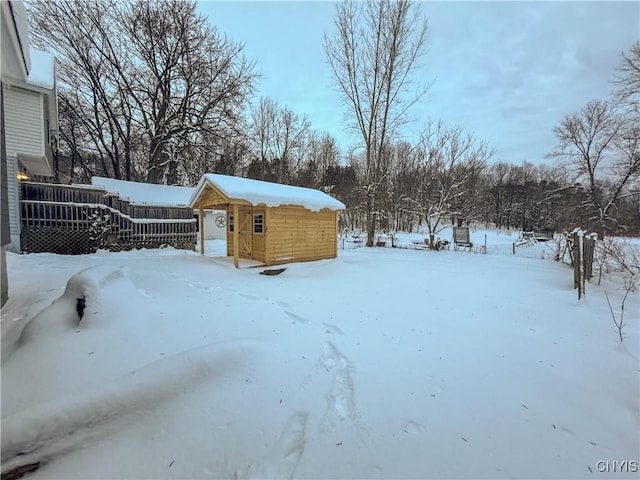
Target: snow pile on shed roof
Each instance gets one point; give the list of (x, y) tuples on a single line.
[(42, 73), (146, 193), (270, 194)]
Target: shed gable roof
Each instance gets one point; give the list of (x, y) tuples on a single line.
[(258, 192)]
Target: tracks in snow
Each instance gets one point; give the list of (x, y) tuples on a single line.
[(283, 458), (340, 398), (41, 433), (341, 403)]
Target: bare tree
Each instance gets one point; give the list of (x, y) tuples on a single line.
[(629, 286), (279, 138), (322, 152), (497, 186), (375, 48), (262, 118), (144, 84), (603, 156), (628, 80), (88, 90), (212, 153), (72, 167), (289, 144), (468, 207), (450, 160), (627, 98), (601, 145), (403, 182)]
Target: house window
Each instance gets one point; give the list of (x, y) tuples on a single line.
[(231, 223), (258, 223)]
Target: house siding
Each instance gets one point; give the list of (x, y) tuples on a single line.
[(5, 226), (4, 199), (24, 134), (24, 117), (13, 194)]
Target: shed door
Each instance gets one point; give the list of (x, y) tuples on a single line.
[(245, 224)]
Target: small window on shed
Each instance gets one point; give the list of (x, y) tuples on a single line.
[(231, 223), (258, 223)]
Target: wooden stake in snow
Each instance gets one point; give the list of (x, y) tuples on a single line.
[(582, 252), (577, 263), (588, 253)]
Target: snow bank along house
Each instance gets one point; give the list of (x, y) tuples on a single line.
[(28, 108), (269, 222)]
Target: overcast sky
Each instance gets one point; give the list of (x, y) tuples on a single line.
[(507, 72)]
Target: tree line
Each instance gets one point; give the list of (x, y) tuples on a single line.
[(164, 98)]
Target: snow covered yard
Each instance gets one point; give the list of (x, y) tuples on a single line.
[(384, 363)]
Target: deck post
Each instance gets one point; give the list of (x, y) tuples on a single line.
[(201, 219), (335, 250), (236, 227)]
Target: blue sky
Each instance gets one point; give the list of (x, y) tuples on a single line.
[(507, 72)]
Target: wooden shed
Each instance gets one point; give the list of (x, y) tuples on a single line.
[(269, 222)]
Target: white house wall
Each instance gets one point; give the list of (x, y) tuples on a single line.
[(15, 40), (24, 122), (211, 230)]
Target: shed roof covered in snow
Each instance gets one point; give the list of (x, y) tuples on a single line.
[(257, 192), (146, 193)]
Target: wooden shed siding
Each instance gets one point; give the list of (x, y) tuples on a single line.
[(211, 198), (229, 233), (292, 234), (297, 234), (258, 248), (24, 122)]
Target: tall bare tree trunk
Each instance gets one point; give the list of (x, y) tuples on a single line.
[(372, 54)]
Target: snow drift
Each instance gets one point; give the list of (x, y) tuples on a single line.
[(383, 363)]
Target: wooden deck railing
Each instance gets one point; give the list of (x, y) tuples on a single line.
[(109, 221)]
